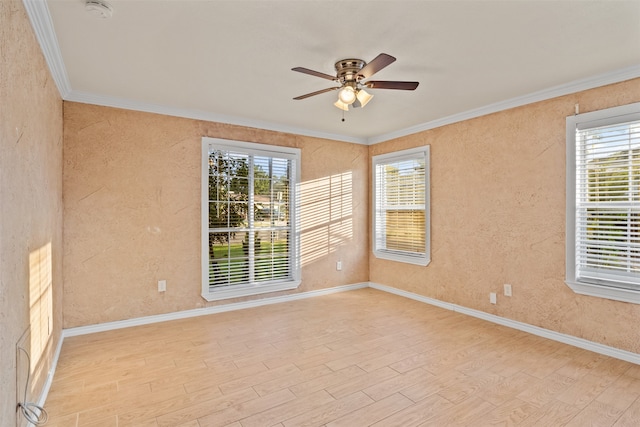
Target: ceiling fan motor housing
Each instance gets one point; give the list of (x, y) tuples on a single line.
[(348, 69)]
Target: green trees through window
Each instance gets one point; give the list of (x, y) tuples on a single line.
[(609, 199), (249, 218), (607, 202)]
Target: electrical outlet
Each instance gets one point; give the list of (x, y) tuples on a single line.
[(507, 290), (162, 285), (339, 265), (493, 299)]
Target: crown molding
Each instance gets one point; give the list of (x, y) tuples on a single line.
[(43, 27), (542, 95), (40, 18), (127, 104), (554, 92)]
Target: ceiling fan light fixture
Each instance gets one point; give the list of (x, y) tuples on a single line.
[(353, 76), (341, 105), (347, 95), (363, 97)]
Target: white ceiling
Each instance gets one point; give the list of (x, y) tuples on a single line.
[(231, 61)]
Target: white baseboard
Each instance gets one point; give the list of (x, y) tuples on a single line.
[(108, 326), (47, 384), (90, 329), (535, 330)]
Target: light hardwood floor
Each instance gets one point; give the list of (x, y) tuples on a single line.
[(352, 359)]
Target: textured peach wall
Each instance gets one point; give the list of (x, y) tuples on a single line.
[(132, 211), (498, 216), (30, 208)]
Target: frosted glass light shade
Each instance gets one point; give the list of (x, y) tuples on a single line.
[(341, 105), (347, 95), (363, 97)]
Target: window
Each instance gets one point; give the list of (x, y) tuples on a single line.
[(401, 206), (603, 203), (249, 235)]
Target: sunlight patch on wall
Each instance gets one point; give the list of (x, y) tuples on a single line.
[(326, 215), (40, 304)]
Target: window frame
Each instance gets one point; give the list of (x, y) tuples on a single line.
[(422, 152), (597, 288), (250, 148)]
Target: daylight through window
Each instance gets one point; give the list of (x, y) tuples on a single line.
[(250, 240), (605, 213), (401, 206)]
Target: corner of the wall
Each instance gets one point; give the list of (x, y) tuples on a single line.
[(606, 350)]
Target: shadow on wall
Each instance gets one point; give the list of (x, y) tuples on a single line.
[(326, 219)]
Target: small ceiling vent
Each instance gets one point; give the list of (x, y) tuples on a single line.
[(99, 8)]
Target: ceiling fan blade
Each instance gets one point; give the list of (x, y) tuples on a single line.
[(318, 92), (314, 73), (382, 84), (378, 63)]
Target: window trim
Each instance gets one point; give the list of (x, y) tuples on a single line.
[(422, 260), (249, 289), (592, 119)]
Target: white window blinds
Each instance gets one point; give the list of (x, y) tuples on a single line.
[(250, 242), (607, 202), (401, 206)]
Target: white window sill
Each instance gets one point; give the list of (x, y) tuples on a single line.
[(236, 291), (607, 292), (423, 261)]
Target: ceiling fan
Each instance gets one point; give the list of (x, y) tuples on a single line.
[(351, 75)]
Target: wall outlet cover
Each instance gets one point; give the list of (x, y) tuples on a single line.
[(493, 299)]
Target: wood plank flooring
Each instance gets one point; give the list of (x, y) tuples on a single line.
[(358, 358)]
